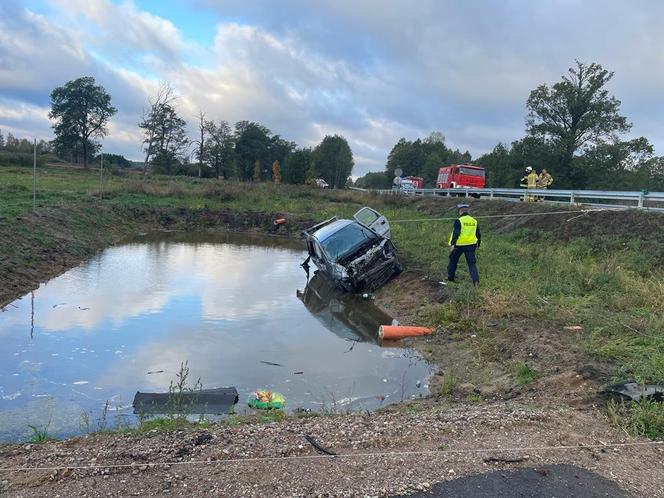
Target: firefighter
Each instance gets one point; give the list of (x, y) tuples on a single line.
[(544, 181), (530, 182), (464, 239)]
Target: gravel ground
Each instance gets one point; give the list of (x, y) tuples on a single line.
[(429, 442)]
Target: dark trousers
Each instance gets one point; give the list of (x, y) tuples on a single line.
[(469, 253)]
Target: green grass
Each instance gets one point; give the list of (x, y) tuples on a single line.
[(611, 286), (40, 434), (449, 384), (524, 374), (644, 418)]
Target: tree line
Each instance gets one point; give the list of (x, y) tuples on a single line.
[(574, 129), (246, 151)]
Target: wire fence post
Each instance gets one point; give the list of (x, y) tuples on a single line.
[(101, 177), (34, 176)]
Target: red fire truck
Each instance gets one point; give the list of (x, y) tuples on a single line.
[(461, 176), (418, 181)]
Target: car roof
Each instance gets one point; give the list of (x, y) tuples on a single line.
[(332, 228)]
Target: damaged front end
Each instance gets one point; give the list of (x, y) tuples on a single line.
[(372, 268)]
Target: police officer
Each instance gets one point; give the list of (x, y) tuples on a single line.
[(465, 239)]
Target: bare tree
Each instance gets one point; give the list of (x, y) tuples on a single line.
[(152, 117), (200, 153)]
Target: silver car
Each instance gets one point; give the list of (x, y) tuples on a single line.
[(356, 255)]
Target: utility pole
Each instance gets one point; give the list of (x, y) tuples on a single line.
[(34, 176), (101, 177)]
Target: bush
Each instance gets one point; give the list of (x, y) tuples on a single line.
[(644, 418), (22, 159)]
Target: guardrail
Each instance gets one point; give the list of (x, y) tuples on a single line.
[(635, 199)]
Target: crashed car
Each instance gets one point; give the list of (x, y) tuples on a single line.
[(356, 255)]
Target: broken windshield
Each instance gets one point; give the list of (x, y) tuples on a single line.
[(346, 240)]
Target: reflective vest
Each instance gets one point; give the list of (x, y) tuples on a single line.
[(544, 180), (468, 234), (530, 180)]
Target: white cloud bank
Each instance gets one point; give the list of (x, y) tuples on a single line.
[(371, 71)]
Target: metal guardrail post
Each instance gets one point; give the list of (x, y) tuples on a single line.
[(640, 204), (571, 197)]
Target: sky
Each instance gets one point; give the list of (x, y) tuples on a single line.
[(372, 71)]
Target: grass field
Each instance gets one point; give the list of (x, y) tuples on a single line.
[(596, 274)]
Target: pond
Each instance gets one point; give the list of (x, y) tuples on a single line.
[(239, 309)]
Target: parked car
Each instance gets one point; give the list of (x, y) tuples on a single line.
[(320, 183), (356, 255)]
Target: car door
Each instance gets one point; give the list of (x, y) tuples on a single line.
[(374, 220)]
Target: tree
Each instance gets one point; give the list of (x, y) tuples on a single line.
[(276, 172), (375, 180), (280, 149), (575, 114), (200, 152), (334, 160), (11, 143), (151, 117), (296, 166), (219, 148), (165, 137), (2, 140), (618, 166), (406, 155), (115, 160), (252, 144), (81, 110)]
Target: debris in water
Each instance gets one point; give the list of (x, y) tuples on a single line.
[(298, 373), (11, 397), (80, 382), (61, 304), (272, 364), (418, 384), (212, 401), (83, 309), (266, 400)]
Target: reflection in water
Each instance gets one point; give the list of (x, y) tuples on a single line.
[(125, 321), (347, 315)]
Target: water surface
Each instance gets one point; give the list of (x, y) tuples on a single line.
[(230, 306)]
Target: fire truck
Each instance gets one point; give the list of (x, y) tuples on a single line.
[(417, 181), (460, 176)]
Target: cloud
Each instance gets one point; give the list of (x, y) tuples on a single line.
[(372, 71)]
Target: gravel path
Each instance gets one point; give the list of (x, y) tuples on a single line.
[(430, 443)]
